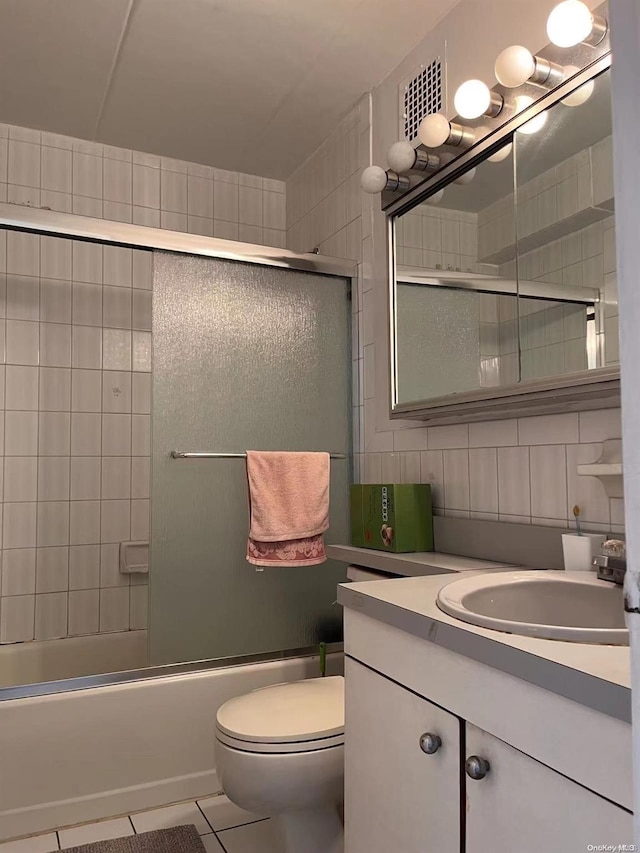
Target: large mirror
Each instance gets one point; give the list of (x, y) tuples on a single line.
[(505, 278)]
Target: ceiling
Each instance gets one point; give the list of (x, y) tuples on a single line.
[(247, 85)]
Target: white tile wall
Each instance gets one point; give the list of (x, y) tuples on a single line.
[(324, 200), (75, 381), (69, 175), (69, 429), (516, 470), (326, 209)]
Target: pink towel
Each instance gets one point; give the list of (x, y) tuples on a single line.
[(289, 508)]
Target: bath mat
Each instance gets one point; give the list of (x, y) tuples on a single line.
[(178, 839)]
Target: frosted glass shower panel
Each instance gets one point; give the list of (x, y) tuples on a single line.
[(245, 357), (439, 327)]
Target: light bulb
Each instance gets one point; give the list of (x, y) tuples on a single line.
[(434, 130), (436, 197), (472, 99), (514, 66), (580, 95), (373, 180), (466, 178), (570, 23), (536, 123), (501, 154), (401, 157)]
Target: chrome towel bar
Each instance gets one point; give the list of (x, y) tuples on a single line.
[(183, 454)]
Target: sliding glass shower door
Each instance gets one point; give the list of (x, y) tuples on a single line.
[(245, 357)]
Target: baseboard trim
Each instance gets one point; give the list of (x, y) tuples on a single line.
[(48, 816)]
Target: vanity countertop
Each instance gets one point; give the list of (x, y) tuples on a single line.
[(593, 675), (413, 564)]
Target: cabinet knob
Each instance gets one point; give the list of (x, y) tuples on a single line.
[(430, 743), (476, 767)]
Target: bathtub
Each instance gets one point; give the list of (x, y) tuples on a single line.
[(52, 660), (93, 753)]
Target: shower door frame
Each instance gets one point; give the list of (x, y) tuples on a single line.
[(48, 223)]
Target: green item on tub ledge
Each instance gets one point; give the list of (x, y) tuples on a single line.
[(323, 659), (395, 517)]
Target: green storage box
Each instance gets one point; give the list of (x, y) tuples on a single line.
[(393, 517)]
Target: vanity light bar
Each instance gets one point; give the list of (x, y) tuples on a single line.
[(570, 24), (491, 142)]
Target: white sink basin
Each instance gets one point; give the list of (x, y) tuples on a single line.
[(573, 606)]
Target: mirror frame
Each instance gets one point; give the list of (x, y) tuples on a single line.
[(593, 389)]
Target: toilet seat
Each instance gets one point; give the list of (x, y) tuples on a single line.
[(280, 748), (301, 716)]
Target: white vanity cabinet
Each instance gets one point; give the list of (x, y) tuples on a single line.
[(521, 806), (410, 765), (400, 798)]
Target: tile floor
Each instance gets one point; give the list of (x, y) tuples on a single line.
[(223, 827)]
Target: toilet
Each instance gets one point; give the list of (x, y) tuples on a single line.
[(280, 753)]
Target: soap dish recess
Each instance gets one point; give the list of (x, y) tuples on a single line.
[(134, 558)]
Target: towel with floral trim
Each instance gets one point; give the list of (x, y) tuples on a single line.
[(288, 506)]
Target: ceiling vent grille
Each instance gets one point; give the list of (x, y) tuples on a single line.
[(421, 96)]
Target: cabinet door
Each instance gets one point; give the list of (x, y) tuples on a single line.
[(522, 805), (398, 798)]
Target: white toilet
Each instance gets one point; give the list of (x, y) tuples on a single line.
[(280, 753)]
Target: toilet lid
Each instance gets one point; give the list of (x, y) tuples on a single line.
[(299, 711)]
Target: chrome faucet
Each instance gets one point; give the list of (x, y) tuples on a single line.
[(612, 563)]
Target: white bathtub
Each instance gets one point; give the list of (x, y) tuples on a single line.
[(51, 660), (104, 751)]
